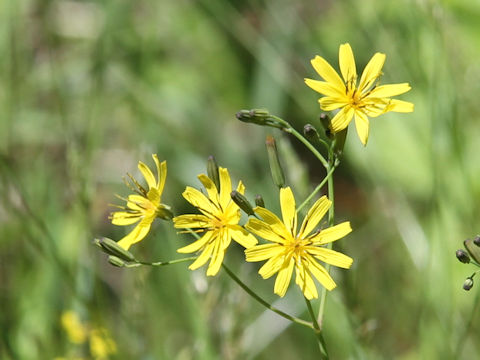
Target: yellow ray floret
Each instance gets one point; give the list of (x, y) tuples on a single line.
[(144, 206), (289, 249), (218, 222), (359, 102)]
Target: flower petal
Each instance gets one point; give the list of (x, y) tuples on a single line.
[(341, 120), (283, 278), (331, 257), (147, 174), (372, 71), (210, 187), (264, 230), (221, 244), (241, 236), (161, 173), (386, 91), (289, 214), (304, 280), (347, 63), (325, 88), (362, 125), (191, 221), (263, 252), (320, 274), (225, 187), (314, 215), (123, 218), (232, 211), (327, 72), (276, 225), (332, 233), (399, 106), (136, 235), (272, 266), (332, 103), (204, 256), (197, 245), (200, 201)]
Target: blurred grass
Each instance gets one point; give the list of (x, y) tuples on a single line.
[(89, 88)]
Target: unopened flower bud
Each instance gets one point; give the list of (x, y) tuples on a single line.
[(476, 240), (325, 121), (468, 284), (275, 167), (462, 256), (259, 201), (115, 261), (310, 133), (255, 116), (473, 249), (112, 248), (242, 202), (340, 138), (212, 171)]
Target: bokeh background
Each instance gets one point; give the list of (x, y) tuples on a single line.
[(88, 88)]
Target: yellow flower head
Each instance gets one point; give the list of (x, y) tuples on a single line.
[(144, 206), (218, 222), (76, 331), (101, 344), (361, 101), (289, 249)]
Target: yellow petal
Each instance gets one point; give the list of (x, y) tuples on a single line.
[(304, 280), (200, 201), (386, 91), (347, 63), (272, 266), (332, 233), (210, 187), (263, 252), (204, 256), (283, 278), (331, 257), (197, 245), (289, 214), (218, 254), (321, 274), (399, 106), (136, 235), (162, 173), (327, 72), (276, 225), (147, 174), (372, 71), (325, 88), (263, 230), (138, 202), (232, 211), (225, 187), (341, 120), (362, 125), (314, 215), (123, 218), (241, 236), (191, 221), (332, 103)]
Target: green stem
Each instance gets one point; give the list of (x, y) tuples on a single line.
[(331, 219), (288, 128), (171, 262), (318, 333), (318, 188), (264, 303)]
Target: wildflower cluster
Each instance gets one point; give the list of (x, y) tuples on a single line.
[(286, 247), (471, 255)]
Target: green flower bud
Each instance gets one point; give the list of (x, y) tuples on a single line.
[(115, 261), (242, 202), (112, 248), (476, 240), (212, 171), (473, 249), (259, 201), (258, 116), (310, 133), (462, 256), (340, 138), (164, 212), (325, 121), (468, 284), (275, 167)]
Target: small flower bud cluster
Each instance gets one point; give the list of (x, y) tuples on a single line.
[(470, 255)]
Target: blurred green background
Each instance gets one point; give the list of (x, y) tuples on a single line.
[(88, 88)]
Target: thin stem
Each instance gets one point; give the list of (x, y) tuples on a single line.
[(264, 303), (171, 262), (318, 333), (317, 189), (290, 129)]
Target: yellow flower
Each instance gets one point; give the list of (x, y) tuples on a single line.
[(218, 222), (362, 101), (77, 333), (144, 206), (101, 344), (289, 249)]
